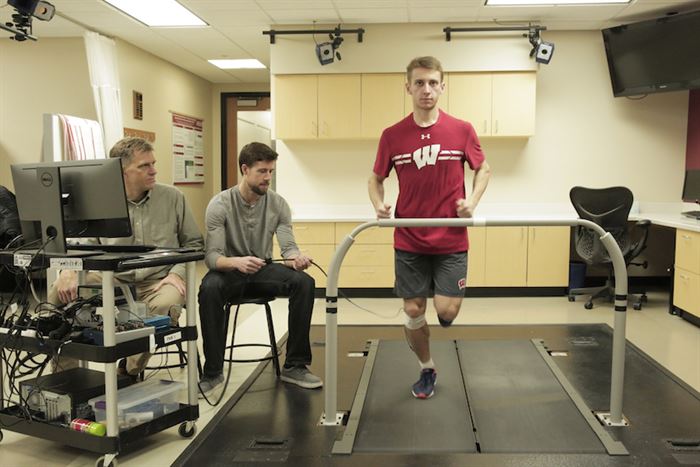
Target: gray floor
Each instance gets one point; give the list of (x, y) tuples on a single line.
[(672, 342)]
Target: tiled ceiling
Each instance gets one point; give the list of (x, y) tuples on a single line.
[(235, 26)]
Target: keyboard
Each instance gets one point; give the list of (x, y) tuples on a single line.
[(692, 214), (114, 248)]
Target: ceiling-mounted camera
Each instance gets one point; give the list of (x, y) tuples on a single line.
[(327, 52), (26, 10), (541, 50), (39, 9)]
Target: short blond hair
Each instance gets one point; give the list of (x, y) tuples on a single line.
[(431, 63), (127, 147)]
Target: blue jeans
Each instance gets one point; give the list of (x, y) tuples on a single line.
[(273, 280)]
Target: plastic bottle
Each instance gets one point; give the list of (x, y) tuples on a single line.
[(87, 426)]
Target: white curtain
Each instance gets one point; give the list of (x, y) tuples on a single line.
[(104, 77)]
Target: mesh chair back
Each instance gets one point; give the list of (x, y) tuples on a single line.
[(607, 207)]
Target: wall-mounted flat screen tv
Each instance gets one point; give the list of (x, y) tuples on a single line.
[(658, 55)]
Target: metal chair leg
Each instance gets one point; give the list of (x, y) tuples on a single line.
[(273, 340)]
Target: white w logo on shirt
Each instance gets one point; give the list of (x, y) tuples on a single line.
[(426, 155)]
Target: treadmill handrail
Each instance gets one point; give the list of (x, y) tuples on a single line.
[(619, 271)]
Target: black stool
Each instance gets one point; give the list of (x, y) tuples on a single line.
[(274, 354)]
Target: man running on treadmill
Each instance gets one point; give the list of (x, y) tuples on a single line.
[(428, 150)]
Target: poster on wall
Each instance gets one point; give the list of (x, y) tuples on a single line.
[(188, 149)]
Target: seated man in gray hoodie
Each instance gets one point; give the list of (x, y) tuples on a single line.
[(241, 222)]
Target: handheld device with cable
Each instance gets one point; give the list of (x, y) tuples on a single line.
[(340, 292)]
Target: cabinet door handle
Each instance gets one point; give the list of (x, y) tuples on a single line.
[(495, 130), (314, 129)]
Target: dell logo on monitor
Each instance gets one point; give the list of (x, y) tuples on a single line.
[(46, 179)]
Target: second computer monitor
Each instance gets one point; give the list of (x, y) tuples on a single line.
[(691, 186)]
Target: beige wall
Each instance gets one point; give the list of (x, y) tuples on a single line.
[(583, 136), (389, 47), (51, 76), (167, 88), (48, 76)]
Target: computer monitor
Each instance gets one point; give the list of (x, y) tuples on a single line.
[(691, 186), (59, 200)]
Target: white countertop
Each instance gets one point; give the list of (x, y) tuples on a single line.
[(665, 214), (674, 220)]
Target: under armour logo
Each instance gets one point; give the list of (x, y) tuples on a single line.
[(425, 136), (427, 155)]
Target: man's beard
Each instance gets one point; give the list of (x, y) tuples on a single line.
[(258, 191)]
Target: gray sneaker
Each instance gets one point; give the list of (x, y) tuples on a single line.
[(210, 386), (301, 376)]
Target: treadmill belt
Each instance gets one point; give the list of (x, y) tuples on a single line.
[(517, 404), (494, 396), (394, 421)]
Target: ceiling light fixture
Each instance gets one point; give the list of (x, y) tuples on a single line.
[(158, 13), (237, 64), (552, 2)]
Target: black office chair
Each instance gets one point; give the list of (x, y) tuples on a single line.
[(609, 208)]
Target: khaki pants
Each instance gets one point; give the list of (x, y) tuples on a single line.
[(165, 301)]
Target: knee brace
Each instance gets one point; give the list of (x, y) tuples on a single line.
[(415, 323)]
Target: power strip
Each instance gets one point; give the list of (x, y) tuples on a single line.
[(25, 333)]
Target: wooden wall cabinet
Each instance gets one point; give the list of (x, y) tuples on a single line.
[(496, 104), (317, 106), (295, 105), (339, 101), (382, 102), (350, 106)]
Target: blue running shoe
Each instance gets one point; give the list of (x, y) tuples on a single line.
[(425, 386)]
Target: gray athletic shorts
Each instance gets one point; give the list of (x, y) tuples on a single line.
[(420, 275)]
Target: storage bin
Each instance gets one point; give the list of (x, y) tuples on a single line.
[(140, 403)]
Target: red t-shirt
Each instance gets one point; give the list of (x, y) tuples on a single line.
[(429, 164)]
